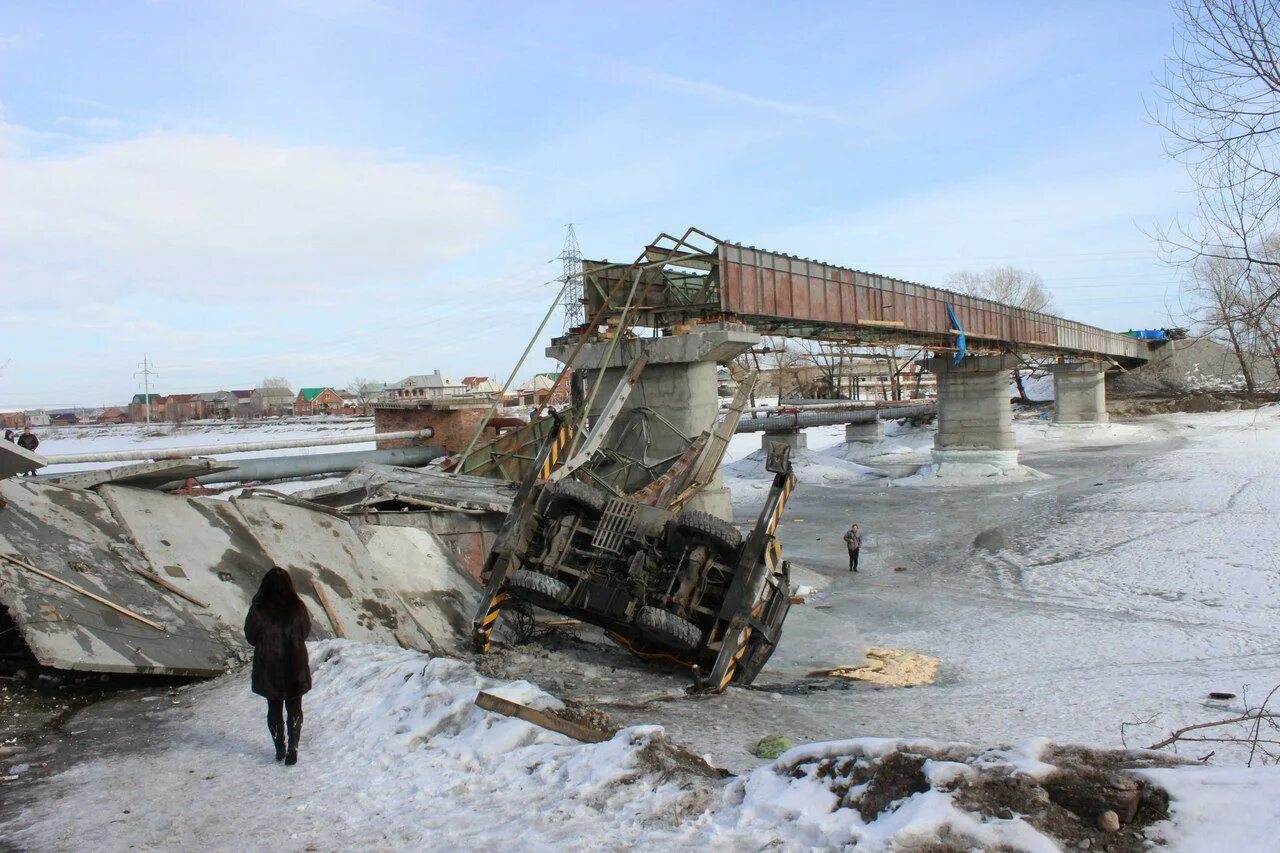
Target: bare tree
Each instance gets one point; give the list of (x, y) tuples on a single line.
[(1007, 285), (274, 382), (1221, 290), (1221, 112), (366, 390)]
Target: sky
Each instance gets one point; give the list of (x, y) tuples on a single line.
[(335, 189)]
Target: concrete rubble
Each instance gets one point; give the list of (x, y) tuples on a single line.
[(122, 579)]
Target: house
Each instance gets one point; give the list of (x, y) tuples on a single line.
[(138, 408), (537, 392), (215, 404), (37, 417), (113, 415), (314, 401), (426, 386), (480, 385), (243, 406), (179, 408), (270, 402), (13, 420), (63, 417)]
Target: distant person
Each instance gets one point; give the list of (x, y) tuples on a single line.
[(277, 627), (11, 436), (533, 414), (28, 441), (853, 539)]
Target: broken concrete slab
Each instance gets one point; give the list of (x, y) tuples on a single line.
[(18, 460), (375, 486), (72, 535), (202, 546), (439, 592), (331, 567)]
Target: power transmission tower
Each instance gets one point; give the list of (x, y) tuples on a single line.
[(146, 373), (571, 257)]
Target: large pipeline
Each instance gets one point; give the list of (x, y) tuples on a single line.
[(801, 419), (156, 454), (290, 467)]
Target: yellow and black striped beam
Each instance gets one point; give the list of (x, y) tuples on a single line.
[(491, 618), (564, 437)]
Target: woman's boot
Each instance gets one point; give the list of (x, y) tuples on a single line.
[(277, 737), (295, 731)]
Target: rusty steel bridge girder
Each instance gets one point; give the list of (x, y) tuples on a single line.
[(696, 277)]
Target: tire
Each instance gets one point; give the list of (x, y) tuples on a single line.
[(669, 628), (695, 526), (574, 496), (538, 588)]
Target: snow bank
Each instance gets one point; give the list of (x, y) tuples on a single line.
[(395, 755), (1219, 808)]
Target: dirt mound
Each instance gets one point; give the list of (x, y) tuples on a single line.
[(1083, 798)]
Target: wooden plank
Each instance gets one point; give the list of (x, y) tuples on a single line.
[(161, 582), (69, 585), (507, 708), (323, 595)]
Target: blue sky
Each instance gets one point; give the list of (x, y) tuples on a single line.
[(325, 190)]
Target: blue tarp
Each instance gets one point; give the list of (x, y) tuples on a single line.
[(1148, 334)]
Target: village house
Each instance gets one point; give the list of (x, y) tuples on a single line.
[(270, 402), (113, 415), (425, 386), (215, 404), (138, 407), (314, 401), (537, 392), (480, 385)]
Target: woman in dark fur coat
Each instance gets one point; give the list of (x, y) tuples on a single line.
[(277, 627)]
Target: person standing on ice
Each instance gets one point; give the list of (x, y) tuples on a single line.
[(277, 627), (853, 539)]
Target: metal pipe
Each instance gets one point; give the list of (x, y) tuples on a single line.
[(291, 467), (801, 420), (156, 454)]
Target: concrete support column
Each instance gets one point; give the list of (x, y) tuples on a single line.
[(674, 399), (867, 432), (975, 417), (1079, 394), (794, 440)]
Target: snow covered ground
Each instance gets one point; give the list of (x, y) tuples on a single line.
[(395, 755), (1140, 574)]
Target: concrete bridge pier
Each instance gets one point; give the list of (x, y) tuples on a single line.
[(868, 432), (975, 416), (795, 440), (675, 394), (1079, 393)]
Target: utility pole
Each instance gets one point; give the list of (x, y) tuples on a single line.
[(571, 258), (146, 373)]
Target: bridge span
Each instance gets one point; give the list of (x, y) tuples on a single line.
[(712, 300), (696, 277)]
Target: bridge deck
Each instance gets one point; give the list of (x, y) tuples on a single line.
[(697, 277)]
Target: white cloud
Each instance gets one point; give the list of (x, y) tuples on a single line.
[(193, 216)]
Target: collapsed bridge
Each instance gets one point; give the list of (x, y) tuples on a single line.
[(698, 285)]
